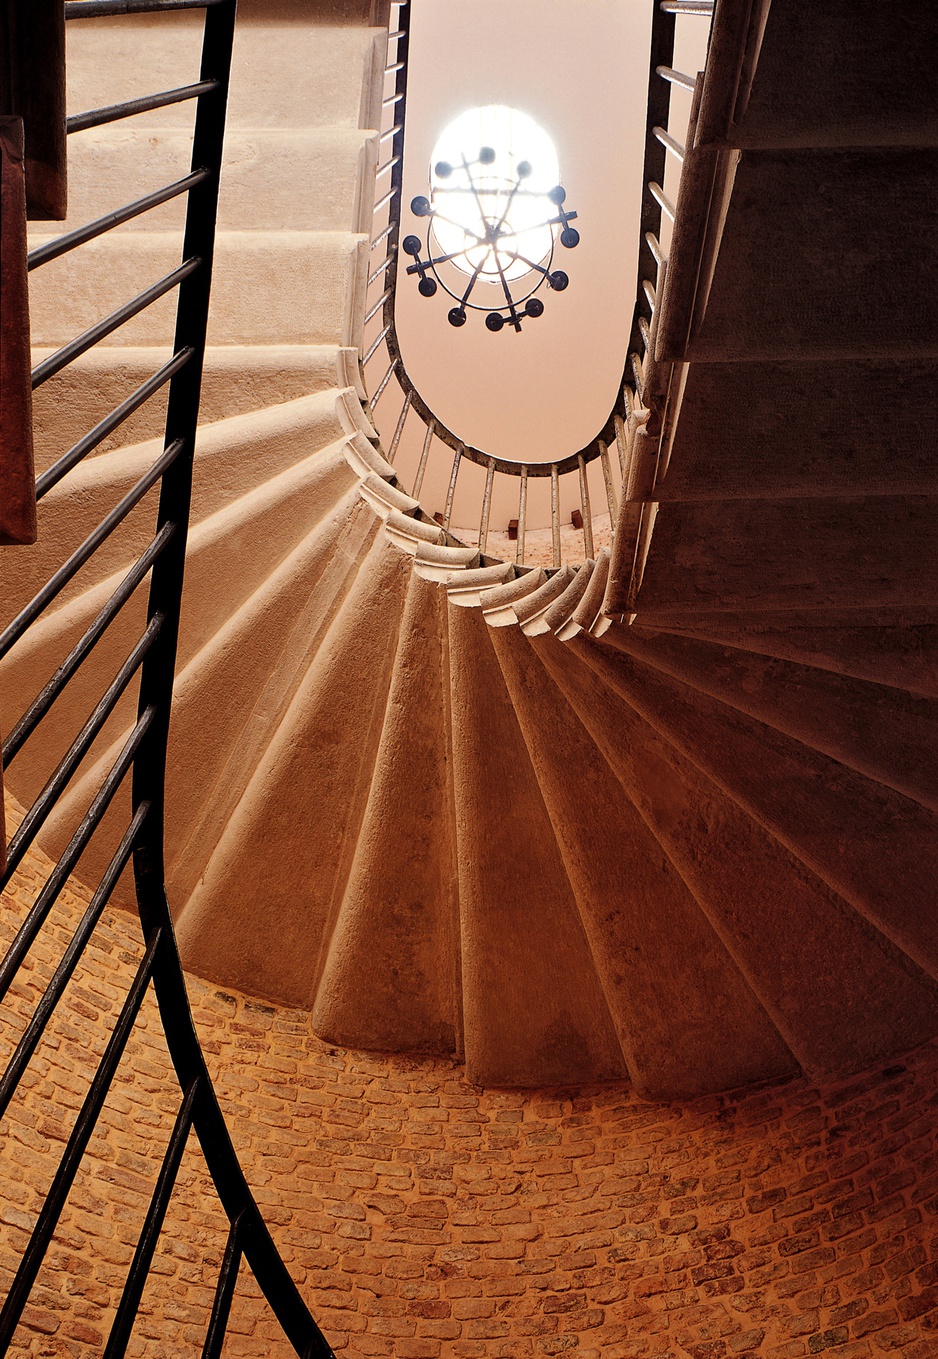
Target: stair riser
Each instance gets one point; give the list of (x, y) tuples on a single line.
[(277, 635), (876, 849), (276, 931), (276, 180), (839, 994), (229, 557), (886, 735), (735, 556), (533, 1008), (391, 977), (686, 1019), (236, 380), (774, 430), (232, 457), (302, 289), (288, 76)]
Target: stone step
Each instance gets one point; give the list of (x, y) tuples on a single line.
[(230, 555), (283, 75), (902, 657), (236, 380), (264, 651), (298, 819), (533, 1008), (752, 431), (685, 1018), (303, 288), (883, 733), (823, 554), (793, 940), (391, 976), (820, 230), (873, 847), (232, 457), (865, 75), (273, 179)]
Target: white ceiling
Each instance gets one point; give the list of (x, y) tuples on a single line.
[(579, 68)]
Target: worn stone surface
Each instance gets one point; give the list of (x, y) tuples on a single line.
[(426, 1218)]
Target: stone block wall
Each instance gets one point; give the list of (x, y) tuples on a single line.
[(423, 1217)]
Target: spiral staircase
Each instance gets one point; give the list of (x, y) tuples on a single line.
[(669, 815)]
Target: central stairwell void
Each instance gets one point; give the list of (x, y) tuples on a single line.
[(666, 813)]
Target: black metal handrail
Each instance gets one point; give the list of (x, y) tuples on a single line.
[(613, 435), (151, 660)]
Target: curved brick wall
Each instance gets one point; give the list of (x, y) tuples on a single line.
[(425, 1217)]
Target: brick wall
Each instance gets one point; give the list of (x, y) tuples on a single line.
[(424, 1217)]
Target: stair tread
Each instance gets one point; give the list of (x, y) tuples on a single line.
[(686, 1020), (885, 734), (300, 831), (533, 1009), (391, 976), (874, 847), (840, 994)]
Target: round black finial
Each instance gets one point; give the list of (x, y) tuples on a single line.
[(486, 155), (494, 321), (426, 287), (524, 169), (558, 280), (456, 316), (534, 307), (442, 169), (411, 245), (420, 206), (557, 194), (569, 237)]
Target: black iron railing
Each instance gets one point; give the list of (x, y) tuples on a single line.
[(383, 365), (151, 662)]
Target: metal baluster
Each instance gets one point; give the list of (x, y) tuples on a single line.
[(83, 342), (428, 439), (376, 306), (383, 235), (522, 515), (373, 347), (673, 77), (380, 268), (585, 507), (53, 992), (447, 513), (224, 1292), (83, 647), (607, 478), (57, 879), (486, 507), (126, 1313), (35, 818), (79, 1138), (384, 201), (383, 383), (621, 439), (654, 245), (400, 426), (670, 143), (78, 451), (662, 199), (555, 511)]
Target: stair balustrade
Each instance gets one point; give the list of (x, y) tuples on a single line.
[(150, 664), (617, 449)]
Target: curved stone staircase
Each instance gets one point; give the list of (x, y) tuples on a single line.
[(451, 807)]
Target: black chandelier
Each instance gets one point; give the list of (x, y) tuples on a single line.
[(491, 225)]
